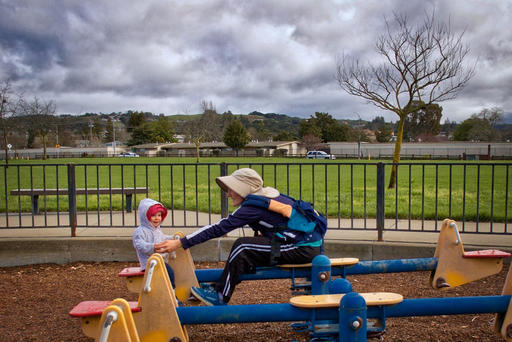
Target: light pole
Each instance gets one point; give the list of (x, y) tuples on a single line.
[(91, 125), (359, 137), (114, 134)]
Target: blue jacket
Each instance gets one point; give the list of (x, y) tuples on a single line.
[(259, 219)]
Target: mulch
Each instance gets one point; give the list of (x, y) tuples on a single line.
[(35, 301)]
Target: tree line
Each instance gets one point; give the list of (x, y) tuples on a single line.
[(33, 123)]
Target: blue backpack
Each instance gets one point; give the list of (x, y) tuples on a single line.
[(301, 215)]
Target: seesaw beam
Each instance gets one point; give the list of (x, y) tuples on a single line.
[(362, 267), (254, 313)]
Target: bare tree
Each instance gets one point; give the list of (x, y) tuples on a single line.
[(422, 65), (204, 128), (210, 122), (311, 142), (41, 115), (9, 103), (494, 115)]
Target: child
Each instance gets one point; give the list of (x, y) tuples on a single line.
[(151, 214)]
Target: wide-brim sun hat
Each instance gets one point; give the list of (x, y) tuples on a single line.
[(246, 181)]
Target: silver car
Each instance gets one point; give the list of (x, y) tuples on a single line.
[(319, 155), (129, 155)]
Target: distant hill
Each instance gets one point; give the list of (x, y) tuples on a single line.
[(183, 117), (507, 118), (260, 125)]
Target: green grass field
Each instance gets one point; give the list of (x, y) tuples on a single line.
[(341, 188)]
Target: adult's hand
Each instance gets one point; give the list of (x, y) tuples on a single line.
[(167, 246)]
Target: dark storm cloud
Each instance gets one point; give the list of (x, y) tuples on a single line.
[(28, 41), (166, 56)]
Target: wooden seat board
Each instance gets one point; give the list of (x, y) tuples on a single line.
[(333, 300), (95, 308), (131, 272), (486, 253), (334, 262)]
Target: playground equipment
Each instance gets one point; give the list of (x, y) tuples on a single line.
[(455, 266), (153, 313), (451, 266), (299, 273), (119, 312), (157, 317), (328, 313), (184, 271), (186, 275)]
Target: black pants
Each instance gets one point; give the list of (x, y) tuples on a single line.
[(248, 253)]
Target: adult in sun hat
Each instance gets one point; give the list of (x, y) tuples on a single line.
[(247, 253)]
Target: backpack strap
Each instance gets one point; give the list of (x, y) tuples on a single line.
[(270, 204), (281, 208), (275, 245)]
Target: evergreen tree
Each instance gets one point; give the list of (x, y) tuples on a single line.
[(384, 133), (309, 128), (474, 129), (236, 136), (324, 126), (424, 121), (284, 136), (161, 131), (141, 135), (136, 120)]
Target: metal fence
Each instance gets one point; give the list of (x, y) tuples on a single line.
[(354, 196)]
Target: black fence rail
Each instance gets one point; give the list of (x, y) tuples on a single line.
[(354, 196)]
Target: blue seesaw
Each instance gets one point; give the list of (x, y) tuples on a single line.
[(451, 266), (157, 317), (333, 312), (187, 276)]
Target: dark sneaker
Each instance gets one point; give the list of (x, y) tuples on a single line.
[(208, 297)]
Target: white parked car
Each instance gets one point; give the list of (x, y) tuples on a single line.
[(129, 154), (319, 155)]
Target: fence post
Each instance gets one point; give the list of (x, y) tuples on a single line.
[(72, 198), (223, 197), (380, 201)]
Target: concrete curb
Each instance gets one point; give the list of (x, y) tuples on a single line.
[(27, 251)]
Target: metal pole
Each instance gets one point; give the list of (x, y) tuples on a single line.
[(223, 198), (380, 201), (91, 125), (448, 306), (249, 314), (392, 266), (114, 131), (72, 198)]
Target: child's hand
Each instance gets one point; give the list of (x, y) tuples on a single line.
[(167, 246)]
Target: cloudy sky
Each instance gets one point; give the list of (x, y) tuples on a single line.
[(165, 56)]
